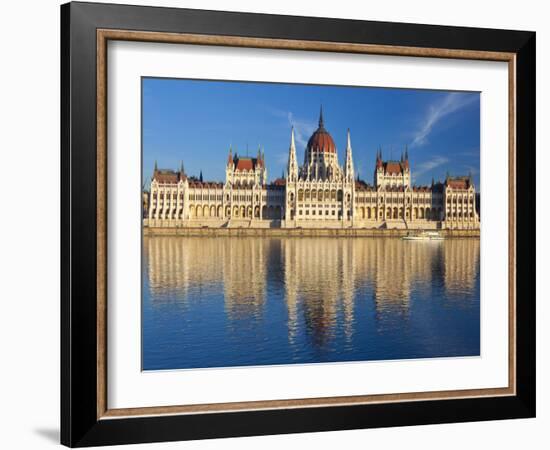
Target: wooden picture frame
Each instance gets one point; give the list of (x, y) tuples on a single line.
[(85, 416)]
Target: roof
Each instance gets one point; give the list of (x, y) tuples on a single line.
[(393, 167), (360, 185), (246, 163), (421, 189), (321, 141), (458, 182), (167, 176), (279, 182)]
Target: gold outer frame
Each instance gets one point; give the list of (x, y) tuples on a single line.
[(104, 35)]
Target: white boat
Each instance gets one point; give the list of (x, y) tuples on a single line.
[(424, 236)]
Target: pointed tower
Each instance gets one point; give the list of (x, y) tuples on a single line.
[(348, 169), (230, 157), (379, 169), (292, 168), (230, 167)]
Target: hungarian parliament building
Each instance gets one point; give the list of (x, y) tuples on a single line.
[(320, 193)]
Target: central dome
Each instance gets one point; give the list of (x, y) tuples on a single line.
[(321, 140)]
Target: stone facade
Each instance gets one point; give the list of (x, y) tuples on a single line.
[(318, 194)]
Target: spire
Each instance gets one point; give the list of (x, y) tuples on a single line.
[(230, 157), (406, 152), (349, 159), (156, 168), (200, 176), (292, 169), (321, 121), (181, 167), (379, 157)]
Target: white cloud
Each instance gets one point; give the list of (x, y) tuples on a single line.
[(449, 104), (303, 129), (428, 166)]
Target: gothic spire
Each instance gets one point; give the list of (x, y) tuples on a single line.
[(292, 168), (321, 121), (230, 156), (349, 159), (156, 168)]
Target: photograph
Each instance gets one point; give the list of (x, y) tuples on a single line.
[(283, 222), (305, 224)]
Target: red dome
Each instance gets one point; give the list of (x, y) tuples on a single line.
[(321, 140)]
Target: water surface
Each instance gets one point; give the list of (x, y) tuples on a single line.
[(232, 301)]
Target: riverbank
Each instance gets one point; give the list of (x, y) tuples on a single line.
[(297, 232)]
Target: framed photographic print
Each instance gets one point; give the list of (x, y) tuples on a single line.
[(277, 224)]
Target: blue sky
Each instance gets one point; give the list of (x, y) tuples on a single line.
[(196, 121)]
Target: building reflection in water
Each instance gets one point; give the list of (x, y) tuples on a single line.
[(324, 282)]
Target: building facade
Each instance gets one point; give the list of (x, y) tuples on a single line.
[(320, 193)]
